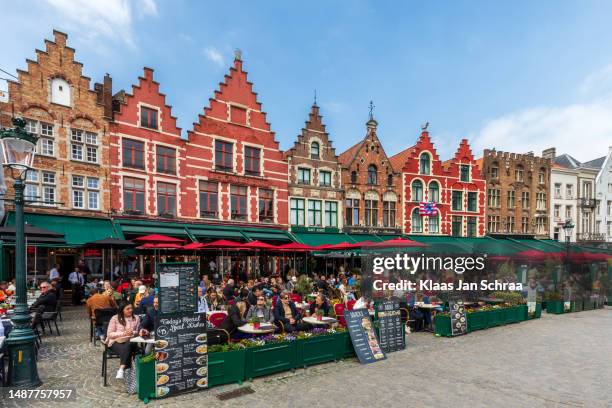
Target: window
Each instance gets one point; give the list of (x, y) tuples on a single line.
[(493, 223), (224, 156), (569, 191), (542, 176), (353, 177), (84, 146), (372, 175), (434, 192), (390, 180), (132, 154), (525, 200), (314, 213), (511, 199), (297, 211), (303, 175), (557, 190), (166, 199), (32, 186), (557, 211), (209, 199), (586, 190), (494, 171), (48, 187), (389, 212), (325, 178), (464, 172), (36, 183), (148, 117), (609, 187), (540, 225), (134, 195), (266, 205), (525, 225), (417, 221), (251, 161), (44, 131), (471, 226), (238, 198), (314, 150), (371, 213), (417, 190), (472, 202), (541, 201), (568, 212), (425, 164), (60, 91), (609, 209), (456, 226), (518, 173), (166, 160), (457, 201), (510, 224), (85, 192), (331, 214), (352, 211), (493, 197), (434, 224)]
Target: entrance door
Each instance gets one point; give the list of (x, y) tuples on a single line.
[(67, 264)]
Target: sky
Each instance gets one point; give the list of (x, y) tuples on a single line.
[(517, 75)]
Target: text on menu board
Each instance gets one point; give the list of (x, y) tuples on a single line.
[(363, 336), (181, 354), (458, 318), (390, 327), (178, 289)]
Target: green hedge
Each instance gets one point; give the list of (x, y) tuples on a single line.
[(486, 319)]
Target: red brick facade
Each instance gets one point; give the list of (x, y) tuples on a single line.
[(423, 172), (234, 172)]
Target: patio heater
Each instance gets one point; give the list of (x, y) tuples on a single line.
[(18, 150)]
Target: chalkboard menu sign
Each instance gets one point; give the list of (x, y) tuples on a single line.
[(458, 318), (363, 336), (181, 354), (390, 327), (178, 290)]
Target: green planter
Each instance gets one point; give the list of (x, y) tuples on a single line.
[(269, 359), (345, 345), (521, 313), (226, 367), (554, 306), (537, 314), (577, 305), (588, 304), (443, 325), (316, 350), (505, 315), (145, 379), (477, 321), (494, 317)]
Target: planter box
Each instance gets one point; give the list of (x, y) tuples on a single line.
[(316, 350), (145, 379), (521, 313), (494, 317), (345, 345), (443, 325), (269, 359), (588, 304), (577, 306), (505, 315), (554, 306), (477, 321), (226, 367)]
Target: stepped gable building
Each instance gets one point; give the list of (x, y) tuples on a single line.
[(315, 194), (518, 192), (147, 154), (455, 188), (235, 173), (372, 194)]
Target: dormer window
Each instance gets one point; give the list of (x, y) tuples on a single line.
[(314, 150), (148, 117), (425, 164), (60, 91)]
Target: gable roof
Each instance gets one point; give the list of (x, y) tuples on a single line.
[(397, 161), (565, 160), (595, 163), (348, 155)]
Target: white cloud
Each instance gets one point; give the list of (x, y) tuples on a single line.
[(582, 130), (147, 7), (214, 55), (598, 82)]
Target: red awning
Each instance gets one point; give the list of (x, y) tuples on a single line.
[(534, 254), (193, 246), (223, 244), (258, 245), (343, 246), (160, 245), (397, 243), (157, 238), (295, 247)]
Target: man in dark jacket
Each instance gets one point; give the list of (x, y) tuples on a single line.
[(47, 298), (234, 319), (286, 313), (254, 295), (228, 290)]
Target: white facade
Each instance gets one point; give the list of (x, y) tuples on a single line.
[(603, 194), (563, 203), (585, 224)]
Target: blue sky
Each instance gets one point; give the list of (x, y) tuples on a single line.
[(518, 75)]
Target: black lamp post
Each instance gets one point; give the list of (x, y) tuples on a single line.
[(18, 150), (568, 227)]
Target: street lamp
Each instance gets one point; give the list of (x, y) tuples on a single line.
[(18, 150), (568, 227)]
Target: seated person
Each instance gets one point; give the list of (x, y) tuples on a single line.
[(235, 318), (147, 326), (260, 310), (121, 328), (320, 303), (286, 313), (47, 298), (255, 293), (215, 301), (202, 302), (3, 292), (99, 300)]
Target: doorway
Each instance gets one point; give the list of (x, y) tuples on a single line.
[(66, 267)]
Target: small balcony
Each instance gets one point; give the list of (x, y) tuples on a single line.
[(591, 237), (587, 202)]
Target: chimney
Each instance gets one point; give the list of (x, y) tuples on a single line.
[(549, 153)]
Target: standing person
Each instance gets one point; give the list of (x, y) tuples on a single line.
[(121, 328), (54, 273), (84, 268), (77, 282), (202, 302)]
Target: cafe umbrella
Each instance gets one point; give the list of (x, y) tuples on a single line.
[(110, 243), (157, 241)]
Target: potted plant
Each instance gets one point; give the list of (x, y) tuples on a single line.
[(303, 286), (255, 322), (319, 314)]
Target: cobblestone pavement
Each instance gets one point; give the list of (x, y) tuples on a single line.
[(556, 361)]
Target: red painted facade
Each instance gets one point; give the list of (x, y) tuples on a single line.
[(465, 217), (147, 153), (234, 170)]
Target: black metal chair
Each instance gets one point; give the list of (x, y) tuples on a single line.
[(107, 354), (48, 317), (102, 317)]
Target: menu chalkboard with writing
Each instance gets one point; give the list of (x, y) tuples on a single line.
[(178, 287), (458, 318), (363, 336), (390, 327), (181, 354)]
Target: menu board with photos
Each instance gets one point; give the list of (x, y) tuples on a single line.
[(363, 336), (390, 327), (178, 287), (457, 317), (181, 354)]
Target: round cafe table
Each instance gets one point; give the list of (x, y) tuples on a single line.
[(264, 328), (323, 322), (142, 340)]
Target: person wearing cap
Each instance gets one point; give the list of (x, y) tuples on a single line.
[(142, 293)]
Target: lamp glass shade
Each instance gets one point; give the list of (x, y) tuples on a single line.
[(18, 153)]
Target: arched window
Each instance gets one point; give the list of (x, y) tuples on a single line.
[(60, 91), (542, 176), (434, 224), (425, 164), (417, 190), (372, 176), (417, 221), (434, 192), (390, 180), (353, 177), (314, 150)]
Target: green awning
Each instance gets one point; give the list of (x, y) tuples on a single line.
[(76, 230), (445, 244), (321, 238), (214, 233), (136, 228), (537, 244), (366, 237), (263, 235)]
